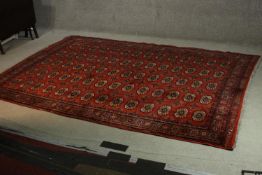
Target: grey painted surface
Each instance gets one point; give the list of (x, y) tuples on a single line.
[(238, 21)]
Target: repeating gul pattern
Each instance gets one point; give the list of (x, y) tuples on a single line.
[(183, 93)]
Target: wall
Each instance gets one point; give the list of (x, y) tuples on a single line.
[(238, 21)]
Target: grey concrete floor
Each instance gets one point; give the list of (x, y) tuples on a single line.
[(179, 155)]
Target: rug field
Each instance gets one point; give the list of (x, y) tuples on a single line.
[(187, 94)]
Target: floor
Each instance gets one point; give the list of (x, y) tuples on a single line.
[(180, 156)]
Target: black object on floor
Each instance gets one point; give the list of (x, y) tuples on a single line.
[(118, 156), (248, 172), (114, 146), (146, 166)]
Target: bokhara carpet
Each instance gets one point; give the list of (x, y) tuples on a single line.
[(187, 94)]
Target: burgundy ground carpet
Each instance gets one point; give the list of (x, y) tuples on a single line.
[(187, 94)]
